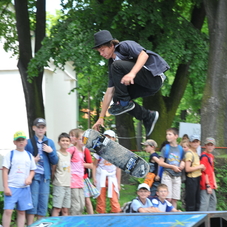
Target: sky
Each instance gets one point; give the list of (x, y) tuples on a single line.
[(52, 5)]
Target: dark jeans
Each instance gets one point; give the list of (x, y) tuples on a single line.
[(145, 84), (192, 188)]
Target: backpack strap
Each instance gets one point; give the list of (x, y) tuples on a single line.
[(204, 155), (34, 145), (11, 158), (181, 152)]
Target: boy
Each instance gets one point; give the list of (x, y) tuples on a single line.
[(160, 202), (18, 171), (150, 146), (61, 176), (106, 175), (133, 72), (142, 204), (43, 149), (208, 183), (173, 164), (193, 170), (196, 140)]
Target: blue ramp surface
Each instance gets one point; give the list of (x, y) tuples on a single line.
[(123, 220)]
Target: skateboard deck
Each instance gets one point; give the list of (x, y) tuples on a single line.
[(115, 153)]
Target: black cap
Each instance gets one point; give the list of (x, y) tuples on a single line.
[(102, 37), (39, 121)]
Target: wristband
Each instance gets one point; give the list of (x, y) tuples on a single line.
[(101, 117), (208, 186)]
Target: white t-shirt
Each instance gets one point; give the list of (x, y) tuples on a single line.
[(166, 206), (136, 204), (105, 165), (21, 166)]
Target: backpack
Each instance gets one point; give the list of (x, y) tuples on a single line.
[(127, 207), (204, 155), (34, 145), (167, 146), (11, 158)]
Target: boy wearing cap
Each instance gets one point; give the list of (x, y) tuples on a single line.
[(142, 204), (208, 200), (195, 139), (193, 170), (133, 72), (107, 179), (18, 171), (44, 151), (150, 146)]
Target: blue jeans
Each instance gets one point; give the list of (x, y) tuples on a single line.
[(40, 190)]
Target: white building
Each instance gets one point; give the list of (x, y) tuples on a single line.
[(61, 109)]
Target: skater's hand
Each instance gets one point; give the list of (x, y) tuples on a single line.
[(99, 122), (128, 79)]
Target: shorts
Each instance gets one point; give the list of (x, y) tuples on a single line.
[(40, 190), (61, 196), (21, 197), (78, 201), (173, 184)]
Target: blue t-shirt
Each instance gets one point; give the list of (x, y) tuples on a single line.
[(174, 158), (136, 204), (166, 206)]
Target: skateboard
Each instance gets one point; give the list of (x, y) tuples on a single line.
[(115, 153)]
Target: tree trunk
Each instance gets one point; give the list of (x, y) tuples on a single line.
[(32, 91), (214, 103), (126, 131), (167, 106)]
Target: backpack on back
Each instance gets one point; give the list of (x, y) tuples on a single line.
[(127, 207)]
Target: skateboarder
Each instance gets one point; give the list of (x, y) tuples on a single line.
[(133, 72)]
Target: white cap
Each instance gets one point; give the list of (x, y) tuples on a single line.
[(110, 133), (143, 185)]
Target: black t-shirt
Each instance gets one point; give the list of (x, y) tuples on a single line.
[(153, 165)]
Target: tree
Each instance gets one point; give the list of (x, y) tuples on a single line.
[(214, 104), (24, 17), (171, 29)]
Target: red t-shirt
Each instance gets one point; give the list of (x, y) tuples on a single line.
[(208, 162), (87, 159)]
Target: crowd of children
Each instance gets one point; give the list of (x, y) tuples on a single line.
[(29, 168)]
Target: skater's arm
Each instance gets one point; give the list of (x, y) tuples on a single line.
[(118, 175), (140, 62), (105, 105)]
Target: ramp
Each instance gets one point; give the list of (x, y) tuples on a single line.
[(127, 220)]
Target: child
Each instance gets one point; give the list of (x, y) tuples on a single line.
[(18, 171), (160, 202), (193, 170), (61, 176), (173, 164), (142, 204), (196, 140), (77, 172), (152, 176), (133, 72), (106, 175), (88, 164), (208, 200), (43, 149)]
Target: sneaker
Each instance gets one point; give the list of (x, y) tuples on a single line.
[(150, 122), (117, 109)]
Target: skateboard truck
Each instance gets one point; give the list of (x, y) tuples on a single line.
[(131, 164)]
